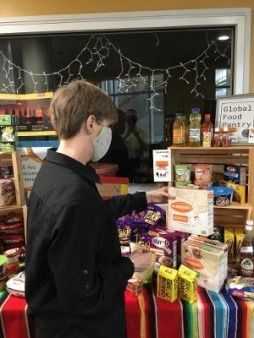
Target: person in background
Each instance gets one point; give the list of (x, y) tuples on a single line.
[(136, 141), (75, 273), (118, 152)]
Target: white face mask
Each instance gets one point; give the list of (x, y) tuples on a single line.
[(101, 143)]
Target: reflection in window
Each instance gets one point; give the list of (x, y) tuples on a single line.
[(222, 82), (135, 93)]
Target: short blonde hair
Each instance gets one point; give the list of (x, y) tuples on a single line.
[(73, 103)]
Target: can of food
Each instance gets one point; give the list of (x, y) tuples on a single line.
[(182, 172)]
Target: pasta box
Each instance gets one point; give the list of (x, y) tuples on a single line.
[(191, 211)]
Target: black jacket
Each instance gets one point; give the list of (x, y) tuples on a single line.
[(75, 274)]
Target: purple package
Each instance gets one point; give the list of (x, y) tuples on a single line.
[(164, 244)]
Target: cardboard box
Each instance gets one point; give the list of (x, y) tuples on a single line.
[(209, 261), (235, 173), (164, 244), (112, 186), (167, 283), (187, 284), (191, 211)]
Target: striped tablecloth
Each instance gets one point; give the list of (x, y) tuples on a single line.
[(211, 316)]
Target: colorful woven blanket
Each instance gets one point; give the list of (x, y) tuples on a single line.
[(211, 316)]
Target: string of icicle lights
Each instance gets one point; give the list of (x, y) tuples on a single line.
[(96, 52)]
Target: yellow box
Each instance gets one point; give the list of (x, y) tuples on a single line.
[(167, 283), (187, 284)]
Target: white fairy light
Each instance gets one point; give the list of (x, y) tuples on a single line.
[(97, 51)]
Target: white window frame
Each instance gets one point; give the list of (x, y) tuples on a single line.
[(240, 18)]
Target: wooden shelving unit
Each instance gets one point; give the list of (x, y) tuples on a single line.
[(235, 214), (13, 159)]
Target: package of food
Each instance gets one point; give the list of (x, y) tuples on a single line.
[(235, 173), (239, 236), (134, 285), (191, 211), (229, 239), (6, 186), (241, 287), (239, 191), (182, 172), (209, 261), (187, 284), (167, 283), (164, 244)]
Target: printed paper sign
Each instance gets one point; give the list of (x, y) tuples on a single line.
[(236, 111), (161, 165)]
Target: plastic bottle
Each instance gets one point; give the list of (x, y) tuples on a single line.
[(225, 137), (207, 131), (180, 130), (246, 256), (217, 137), (195, 128)]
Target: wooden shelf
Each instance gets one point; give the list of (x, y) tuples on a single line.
[(234, 214)]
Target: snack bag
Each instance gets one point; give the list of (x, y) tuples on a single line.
[(241, 287)]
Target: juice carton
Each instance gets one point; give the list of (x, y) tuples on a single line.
[(167, 283), (187, 284)]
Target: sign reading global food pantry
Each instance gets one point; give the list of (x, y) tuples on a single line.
[(236, 111)]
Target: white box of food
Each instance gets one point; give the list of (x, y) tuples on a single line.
[(209, 261), (191, 211)]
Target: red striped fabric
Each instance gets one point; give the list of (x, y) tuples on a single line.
[(13, 320)]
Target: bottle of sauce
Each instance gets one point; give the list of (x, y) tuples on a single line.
[(207, 131), (195, 128), (180, 130), (217, 137), (225, 137), (246, 256)]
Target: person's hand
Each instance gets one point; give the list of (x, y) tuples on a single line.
[(160, 195), (141, 259)]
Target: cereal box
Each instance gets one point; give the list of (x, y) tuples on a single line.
[(191, 211), (164, 244), (167, 283), (187, 284), (209, 261)]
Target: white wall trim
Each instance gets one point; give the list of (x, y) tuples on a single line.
[(238, 17)]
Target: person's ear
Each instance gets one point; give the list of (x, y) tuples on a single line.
[(89, 123)]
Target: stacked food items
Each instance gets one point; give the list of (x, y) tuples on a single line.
[(182, 260), (12, 246), (228, 183)]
